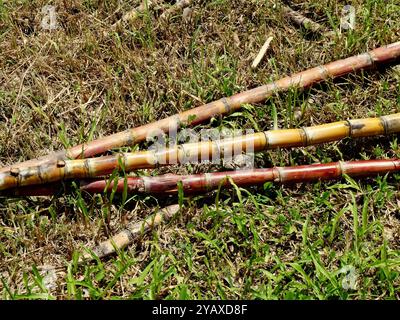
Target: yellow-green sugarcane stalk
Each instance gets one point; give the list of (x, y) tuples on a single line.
[(132, 232), (222, 107), (192, 152)]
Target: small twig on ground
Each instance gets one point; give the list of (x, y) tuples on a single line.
[(262, 52), (131, 233), (180, 4)]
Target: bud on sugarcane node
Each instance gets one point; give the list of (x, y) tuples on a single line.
[(223, 106)]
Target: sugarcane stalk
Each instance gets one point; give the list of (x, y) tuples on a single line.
[(204, 182), (205, 150), (131, 233), (220, 107)]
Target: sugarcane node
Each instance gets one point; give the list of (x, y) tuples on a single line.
[(396, 164), (220, 151), (146, 184), (354, 128), (385, 125), (14, 172), (275, 175), (279, 175), (371, 58), (87, 167), (207, 181), (182, 154), (175, 123), (228, 107), (350, 126), (130, 141), (266, 146), (61, 164), (342, 167)]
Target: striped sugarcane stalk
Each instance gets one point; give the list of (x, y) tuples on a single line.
[(220, 107), (205, 150), (131, 233), (197, 183)]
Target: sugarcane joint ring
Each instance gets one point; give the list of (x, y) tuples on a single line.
[(350, 125), (305, 136), (228, 107), (370, 58), (342, 167), (61, 163), (14, 172), (324, 72)]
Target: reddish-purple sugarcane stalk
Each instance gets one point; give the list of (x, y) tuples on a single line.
[(197, 183), (220, 107)]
